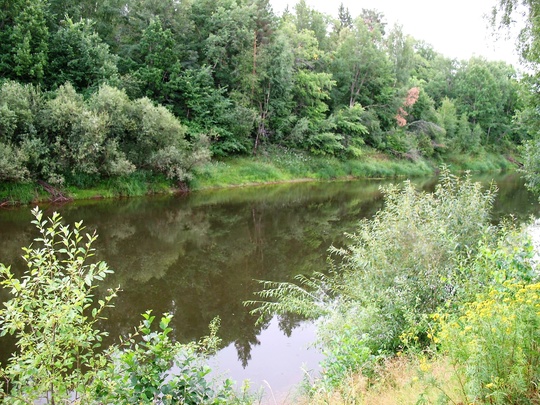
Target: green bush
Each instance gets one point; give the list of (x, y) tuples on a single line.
[(494, 344), (12, 164), (400, 267), (531, 164), (492, 337), (54, 315)]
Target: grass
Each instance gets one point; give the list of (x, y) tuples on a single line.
[(402, 381), (485, 162), (272, 165), (136, 184), (275, 165), (20, 193)]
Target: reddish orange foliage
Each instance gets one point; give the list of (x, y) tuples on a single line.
[(412, 97)]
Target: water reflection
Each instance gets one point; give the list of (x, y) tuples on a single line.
[(199, 256)]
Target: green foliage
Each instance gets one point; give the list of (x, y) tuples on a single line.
[(360, 67), (400, 267), (282, 164), (399, 263), (76, 134), (29, 42), (531, 164), (447, 113), (463, 135), (493, 340), (238, 77), (141, 369), (19, 107), (401, 53), (503, 13), (79, 56), (12, 164), (17, 193), (345, 354), (104, 136), (348, 124), (54, 313)]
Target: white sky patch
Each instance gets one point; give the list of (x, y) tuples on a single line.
[(457, 29)]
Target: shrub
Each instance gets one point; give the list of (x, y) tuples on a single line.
[(54, 316), (531, 164), (493, 339), (494, 343), (399, 268), (12, 163)]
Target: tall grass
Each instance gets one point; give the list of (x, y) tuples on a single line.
[(485, 162), (404, 380), (19, 193), (280, 165), (133, 185)]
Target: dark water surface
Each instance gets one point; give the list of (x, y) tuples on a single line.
[(199, 256)]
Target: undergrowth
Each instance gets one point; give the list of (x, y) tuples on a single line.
[(430, 278)]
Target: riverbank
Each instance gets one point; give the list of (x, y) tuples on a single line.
[(276, 165), (438, 374)]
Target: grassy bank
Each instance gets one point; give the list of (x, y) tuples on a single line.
[(405, 380), (270, 166), (287, 165), (136, 184)]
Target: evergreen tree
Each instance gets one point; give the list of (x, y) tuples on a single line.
[(344, 17), (80, 57)]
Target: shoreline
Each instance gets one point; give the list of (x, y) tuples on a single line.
[(253, 172)]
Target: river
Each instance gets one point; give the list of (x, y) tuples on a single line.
[(200, 255)]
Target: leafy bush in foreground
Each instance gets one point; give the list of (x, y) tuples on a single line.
[(59, 359), (493, 341)]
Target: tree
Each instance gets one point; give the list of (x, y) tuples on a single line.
[(487, 92), (448, 118), (306, 18), (157, 61), (401, 54), (476, 92), (24, 40), (502, 16), (436, 72), (463, 133), (105, 14), (272, 94), (79, 56), (344, 17), (361, 68)]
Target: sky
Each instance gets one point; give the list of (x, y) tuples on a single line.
[(456, 28)]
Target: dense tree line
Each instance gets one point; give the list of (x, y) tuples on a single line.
[(505, 14), (103, 89)]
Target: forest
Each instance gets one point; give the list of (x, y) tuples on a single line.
[(430, 287), (102, 90)]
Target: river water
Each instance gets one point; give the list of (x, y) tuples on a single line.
[(200, 255)]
